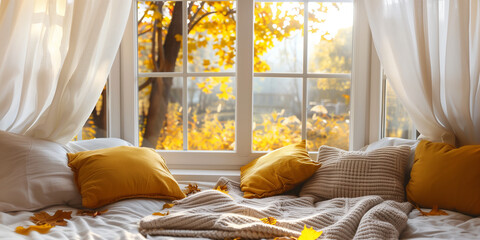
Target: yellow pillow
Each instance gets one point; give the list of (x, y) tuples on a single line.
[(446, 176), (277, 172), (107, 175)]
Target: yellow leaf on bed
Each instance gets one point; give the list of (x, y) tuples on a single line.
[(223, 189), (269, 220), (45, 228), (434, 212), (309, 234), (160, 214), (168, 205), (191, 189), (58, 219)]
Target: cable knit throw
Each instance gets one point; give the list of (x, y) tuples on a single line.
[(216, 215)]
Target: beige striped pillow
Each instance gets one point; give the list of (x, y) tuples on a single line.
[(357, 173)]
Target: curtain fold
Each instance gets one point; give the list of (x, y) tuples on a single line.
[(430, 51), (55, 56)]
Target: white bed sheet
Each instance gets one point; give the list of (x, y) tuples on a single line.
[(120, 222), (452, 226)]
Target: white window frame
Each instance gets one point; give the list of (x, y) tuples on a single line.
[(365, 96)]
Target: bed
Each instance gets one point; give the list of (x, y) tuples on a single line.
[(133, 219), (121, 222)]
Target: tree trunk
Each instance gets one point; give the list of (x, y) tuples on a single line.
[(165, 60), (100, 120)]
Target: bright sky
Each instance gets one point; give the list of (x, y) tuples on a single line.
[(339, 19)]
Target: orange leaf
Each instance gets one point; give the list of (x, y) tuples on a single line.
[(434, 212), (178, 37), (58, 219), (45, 228), (269, 220), (168, 205), (206, 62), (191, 189), (161, 214), (90, 213)]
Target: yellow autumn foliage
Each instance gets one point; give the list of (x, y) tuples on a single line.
[(275, 131)]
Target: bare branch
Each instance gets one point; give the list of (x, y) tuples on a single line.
[(198, 20), (231, 11), (145, 84), (154, 45), (195, 14), (146, 31)]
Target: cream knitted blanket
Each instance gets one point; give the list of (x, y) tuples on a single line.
[(216, 215)]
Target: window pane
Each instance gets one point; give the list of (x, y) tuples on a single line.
[(328, 113), (278, 37), (330, 37), (212, 36), (159, 36), (211, 113), (397, 122), (277, 107), (96, 125), (160, 113)]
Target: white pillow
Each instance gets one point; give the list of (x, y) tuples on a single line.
[(94, 144), (357, 173), (34, 172)]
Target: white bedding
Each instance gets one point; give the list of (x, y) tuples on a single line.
[(120, 222), (452, 226)]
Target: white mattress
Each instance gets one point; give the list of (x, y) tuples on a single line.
[(452, 226), (121, 222)]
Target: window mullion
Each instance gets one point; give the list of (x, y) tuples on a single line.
[(299, 75), (113, 100), (128, 80), (245, 32), (184, 78), (305, 70)]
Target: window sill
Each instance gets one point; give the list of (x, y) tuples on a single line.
[(204, 175)]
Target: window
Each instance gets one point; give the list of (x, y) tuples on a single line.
[(187, 91), (301, 84), (215, 84), (96, 125), (192, 96), (396, 121)]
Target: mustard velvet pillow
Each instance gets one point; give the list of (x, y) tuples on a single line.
[(446, 176), (108, 175), (277, 172)]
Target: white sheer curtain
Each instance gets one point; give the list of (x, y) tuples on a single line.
[(430, 51), (55, 56)]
